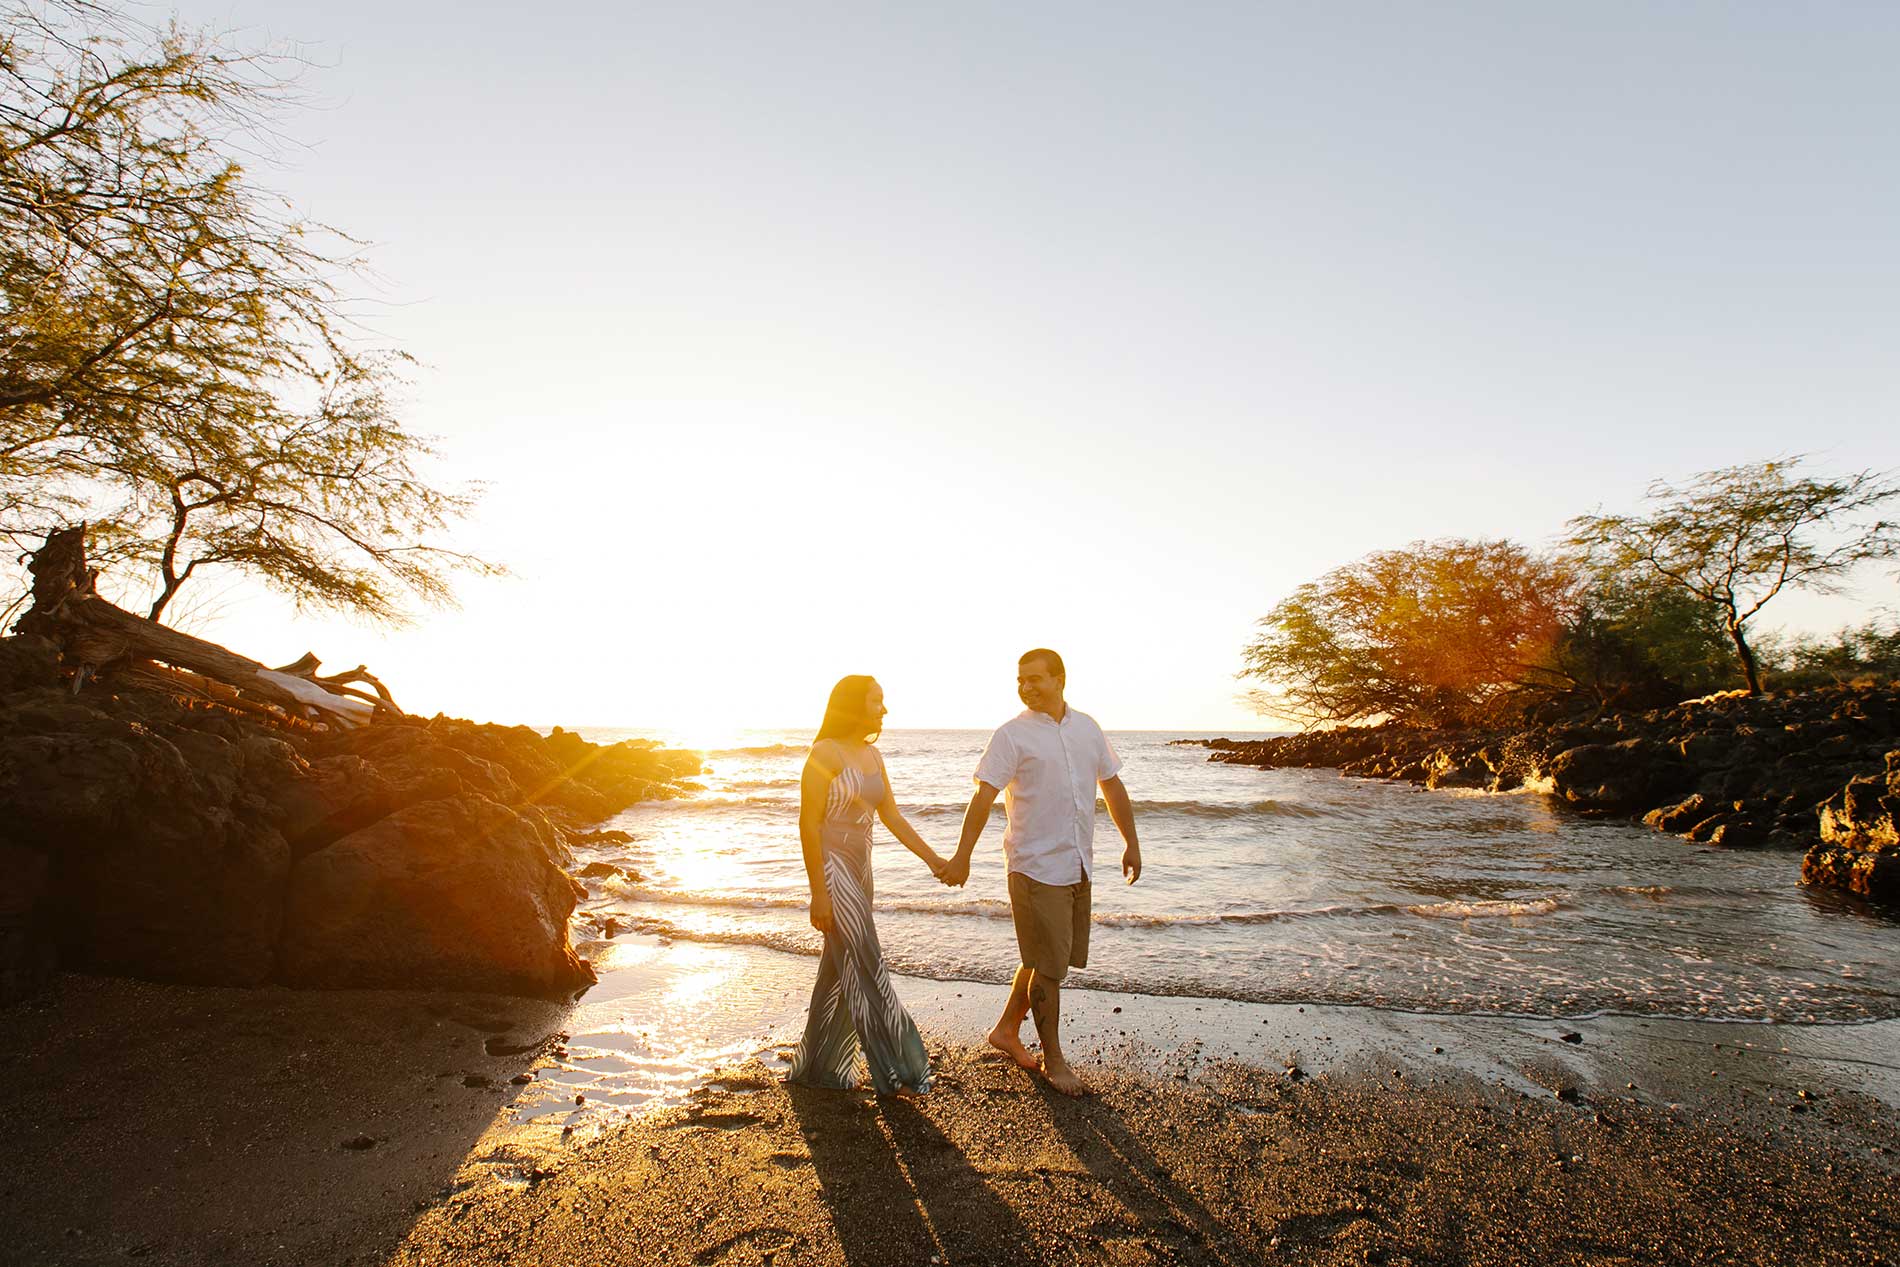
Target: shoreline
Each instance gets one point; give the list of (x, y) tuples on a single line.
[(190, 1124), (1816, 771)]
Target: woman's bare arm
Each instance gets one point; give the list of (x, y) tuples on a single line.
[(814, 787), (895, 822)]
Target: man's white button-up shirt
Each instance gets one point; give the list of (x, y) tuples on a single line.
[(1047, 771)]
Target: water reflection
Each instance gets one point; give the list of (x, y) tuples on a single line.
[(1295, 885)]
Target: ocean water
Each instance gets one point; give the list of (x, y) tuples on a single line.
[(1279, 886)]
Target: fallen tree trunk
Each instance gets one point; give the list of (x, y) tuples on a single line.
[(95, 637)]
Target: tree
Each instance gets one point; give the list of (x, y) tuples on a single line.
[(1869, 651), (1735, 538), (1438, 633), (176, 358), (1634, 642)]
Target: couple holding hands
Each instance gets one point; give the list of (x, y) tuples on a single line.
[(1048, 762)]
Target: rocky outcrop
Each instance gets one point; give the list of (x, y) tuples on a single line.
[(148, 836), (1617, 778), (158, 859), (1860, 843), (1813, 771), (459, 893)]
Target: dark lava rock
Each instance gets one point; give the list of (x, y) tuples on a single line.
[(155, 865), (1681, 816), (1860, 845), (148, 835), (1618, 777), (450, 894), (28, 663), (1780, 771)]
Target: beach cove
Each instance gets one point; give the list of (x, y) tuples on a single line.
[(191, 1125), (1345, 1096)]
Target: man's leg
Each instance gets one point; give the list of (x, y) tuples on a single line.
[(1007, 1036), (1045, 999)]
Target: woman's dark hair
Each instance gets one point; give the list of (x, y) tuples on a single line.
[(844, 711)]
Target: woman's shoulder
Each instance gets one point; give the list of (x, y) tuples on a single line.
[(833, 755)]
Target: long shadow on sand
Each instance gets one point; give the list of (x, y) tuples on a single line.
[(899, 1191), (1128, 1172)]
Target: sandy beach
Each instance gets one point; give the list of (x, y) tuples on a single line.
[(200, 1125)]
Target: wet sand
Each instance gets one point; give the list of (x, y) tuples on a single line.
[(193, 1125)]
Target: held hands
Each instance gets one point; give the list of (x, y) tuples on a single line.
[(955, 871)]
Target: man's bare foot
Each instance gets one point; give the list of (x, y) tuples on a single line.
[(1010, 1045), (1063, 1078)]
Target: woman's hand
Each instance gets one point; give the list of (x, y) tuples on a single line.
[(936, 863), (821, 912)]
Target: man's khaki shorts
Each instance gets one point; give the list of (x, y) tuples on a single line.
[(1052, 924)]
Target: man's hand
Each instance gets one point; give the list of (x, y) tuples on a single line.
[(1131, 863), (955, 871)]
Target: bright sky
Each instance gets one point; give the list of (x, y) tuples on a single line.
[(796, 340)]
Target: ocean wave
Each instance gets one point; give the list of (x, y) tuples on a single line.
[(1387, 987), (717, 804), (789, 941), (987, 908), (981, 908), (1189, 809), (764, 750), (1484, 908), (756, 795)]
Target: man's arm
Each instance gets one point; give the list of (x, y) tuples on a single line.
[(1122, 814), (975, 819)]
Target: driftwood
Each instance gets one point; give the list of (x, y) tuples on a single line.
[(96, 637), (306, 666)]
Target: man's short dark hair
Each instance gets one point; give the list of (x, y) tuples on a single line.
[(1048, 657)]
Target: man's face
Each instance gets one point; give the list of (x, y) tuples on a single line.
[(1037, 687)]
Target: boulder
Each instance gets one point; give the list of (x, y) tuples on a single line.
[(1681, 816), (1446, 768), (1860, 846), (343, 794), (1617, 778), (26, 663), (1865, 811), (1740, 831), (154, 865), (457, 893), (1706, 750), (27, 954), (1872, 871)]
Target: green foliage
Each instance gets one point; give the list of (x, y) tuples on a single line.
[(1634, 643), (175, 359), (1868, 653), (1438, 633), (1736, 538)]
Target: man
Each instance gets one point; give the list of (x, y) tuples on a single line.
[(1049, 759)]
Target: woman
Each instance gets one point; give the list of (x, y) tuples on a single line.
[(853, 1003)]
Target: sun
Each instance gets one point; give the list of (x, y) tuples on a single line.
[(713, 734)]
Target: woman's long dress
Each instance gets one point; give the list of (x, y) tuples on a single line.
[(853, 1004)]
